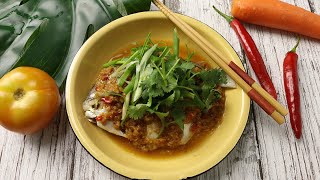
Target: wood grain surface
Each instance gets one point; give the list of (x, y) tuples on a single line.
[(265, 150)]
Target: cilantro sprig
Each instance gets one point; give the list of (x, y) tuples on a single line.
[(157, 80)]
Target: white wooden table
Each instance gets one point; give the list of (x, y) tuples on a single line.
[(265, 150)]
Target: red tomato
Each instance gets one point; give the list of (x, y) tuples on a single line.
[(29, 99)]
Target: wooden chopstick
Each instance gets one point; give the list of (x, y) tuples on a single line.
[(283, 111), (255, 92)]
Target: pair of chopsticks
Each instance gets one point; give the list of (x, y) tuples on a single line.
[(271, 106)]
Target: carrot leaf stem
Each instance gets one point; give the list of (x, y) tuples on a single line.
[(228, 18), (295, 47)]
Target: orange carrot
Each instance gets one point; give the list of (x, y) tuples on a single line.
[(277, 14)]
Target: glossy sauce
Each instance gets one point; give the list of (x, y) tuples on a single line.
[(161, 153)]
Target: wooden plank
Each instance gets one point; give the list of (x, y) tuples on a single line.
[(243, 161), (314, 6), (245, 152), (48, 154), (86, 167), (56, 154), (282, 156), (40, 156)]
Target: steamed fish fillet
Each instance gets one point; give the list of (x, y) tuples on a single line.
[(153, 132), (93, 109), (108, 126)]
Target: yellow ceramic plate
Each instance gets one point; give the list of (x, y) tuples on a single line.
[(88, 62)]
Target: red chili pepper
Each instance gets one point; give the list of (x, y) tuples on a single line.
[(106, 78), (107, 100), (99, 118), (291, 86), (252, 53)]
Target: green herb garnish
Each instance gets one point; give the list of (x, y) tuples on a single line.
[(157, 81)]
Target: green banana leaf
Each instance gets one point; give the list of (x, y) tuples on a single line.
[(48, 33)]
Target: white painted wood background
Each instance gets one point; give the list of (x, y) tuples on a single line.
[(265, 150)]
